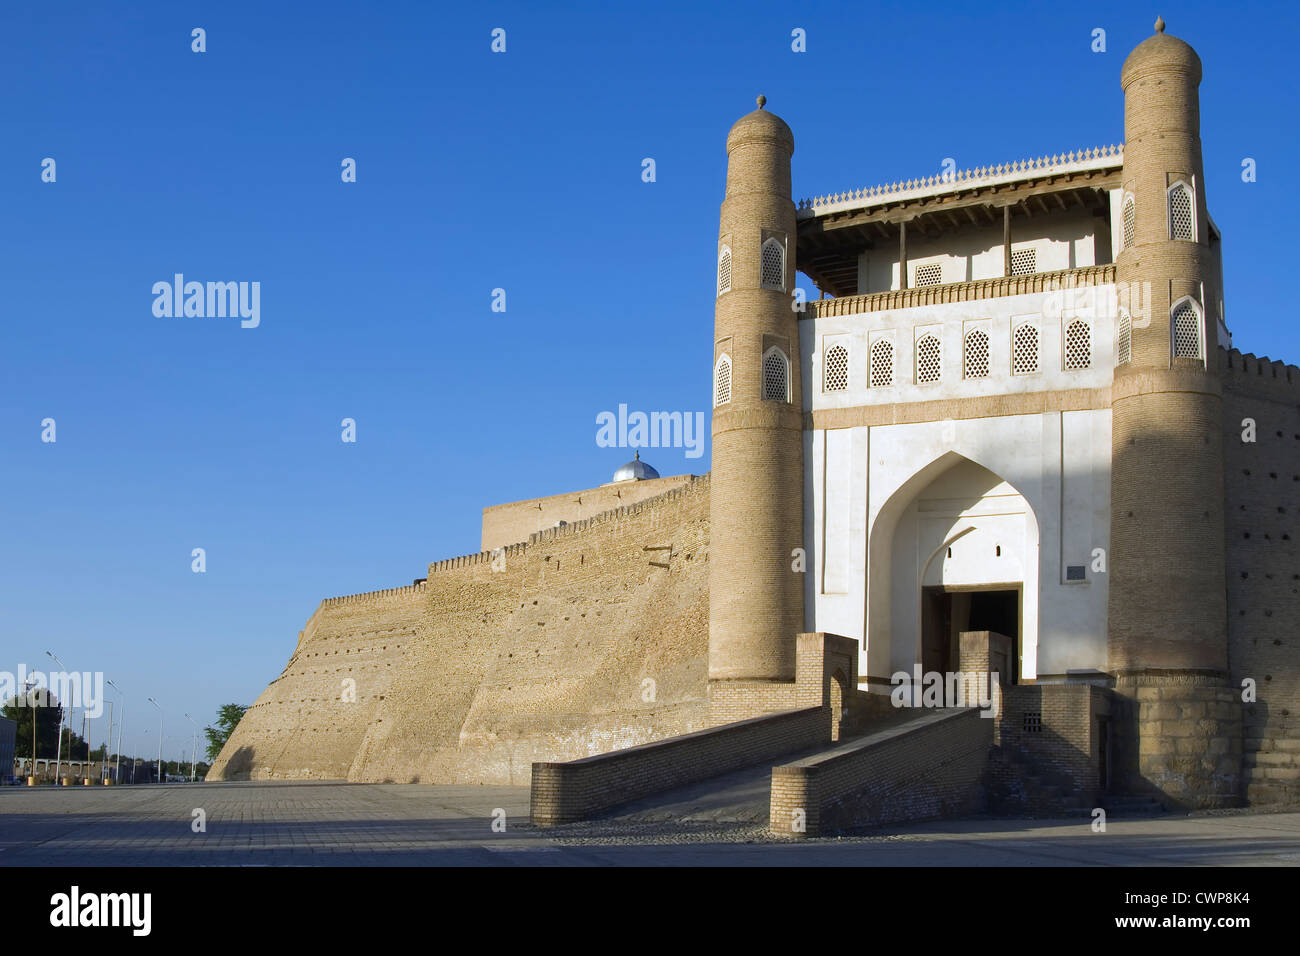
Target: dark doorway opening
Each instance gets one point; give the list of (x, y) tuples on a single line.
[(945, 614)]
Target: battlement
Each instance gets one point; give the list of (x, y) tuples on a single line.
[(698, 484), (1093, 158), (1246, 365), (371, 595)]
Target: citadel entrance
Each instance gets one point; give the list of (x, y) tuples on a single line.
[(953, 549), (948, 611)]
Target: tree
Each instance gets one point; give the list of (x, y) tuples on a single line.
[(45, 708), (228, 718)]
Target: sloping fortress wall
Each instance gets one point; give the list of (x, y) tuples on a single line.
[(585, 639), (1262, 491), (518, 520)]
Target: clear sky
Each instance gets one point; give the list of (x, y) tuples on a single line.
[(475, 171)]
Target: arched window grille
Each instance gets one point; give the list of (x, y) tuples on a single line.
[(836, 373), (1024, 349), (1124, 339), (882, 363), (722, 381), (724, 270), (1185, 318), (1182, 217), (977, 354), (776, 376), (1078, 345), (929, 360), (1129, 221), (773, 264)]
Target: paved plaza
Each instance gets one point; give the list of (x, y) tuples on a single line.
[(340, 824)]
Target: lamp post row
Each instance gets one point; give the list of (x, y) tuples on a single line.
[(117, 768)]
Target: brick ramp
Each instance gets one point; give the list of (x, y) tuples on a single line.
[(579, 789), (742, 796), (933, 766)]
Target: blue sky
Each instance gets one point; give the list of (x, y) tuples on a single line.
[(475, 171)]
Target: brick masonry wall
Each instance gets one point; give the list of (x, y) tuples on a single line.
[(477, 672), (930, 767), (1262, 480), (1067, 743), (566, 792)]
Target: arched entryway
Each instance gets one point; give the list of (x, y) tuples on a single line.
[(954, 549)]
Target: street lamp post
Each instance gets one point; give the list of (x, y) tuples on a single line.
[(58, 759), (108, 744), (194, 744), (160, 733), (121, 718), (31, 700)]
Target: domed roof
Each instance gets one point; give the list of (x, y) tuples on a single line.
[(635, 470), (1161, 52), (760, 126)]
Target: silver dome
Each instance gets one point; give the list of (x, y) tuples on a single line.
[(635, 470)]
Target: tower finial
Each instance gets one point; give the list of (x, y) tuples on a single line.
[(1160, 24), (762, 101)]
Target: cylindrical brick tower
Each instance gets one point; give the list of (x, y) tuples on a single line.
[(1167, 637), (755, 597)]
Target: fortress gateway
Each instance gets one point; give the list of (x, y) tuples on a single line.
[(1011, 436)]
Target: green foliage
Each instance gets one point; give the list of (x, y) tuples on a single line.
[(228, 718), (47, 711)]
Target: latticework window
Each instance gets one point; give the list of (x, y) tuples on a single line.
[(1024, 262), (1187, 331), (775, 376), (929, 364), (977, 354), (1180, 212), (931, 274), (724, 271), (882, 363), (1024, 350), (773, 266), (1124, 341), (722, 382), (1078, 345), (836, 375), (1129, 221)]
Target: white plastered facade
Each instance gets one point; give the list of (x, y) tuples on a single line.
[(1022, 500)]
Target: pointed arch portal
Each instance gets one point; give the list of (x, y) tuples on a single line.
[(954, 549)]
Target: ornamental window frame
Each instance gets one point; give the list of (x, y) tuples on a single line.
[(1127, 223), (921, 376), (983, 330), (1199, 312), (777, 243), (1124, 338), (1184, 186), (829, 348), (1022, 255), (937, 266), (777, 352), (883, 341), (723, 361), (1037, 330), (1068, 324), (725, 257)]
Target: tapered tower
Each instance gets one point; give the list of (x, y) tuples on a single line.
[(755, 598), (1168, 603)]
